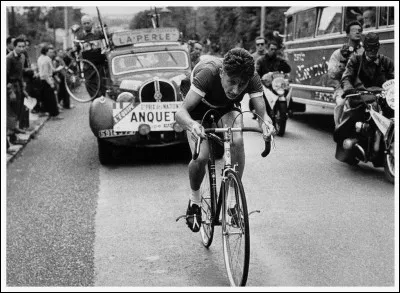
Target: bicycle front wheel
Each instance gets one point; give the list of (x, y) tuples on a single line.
[(235, 230), (207, 207), (82, 80)]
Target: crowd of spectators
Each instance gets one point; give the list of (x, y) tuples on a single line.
[(33, 86)]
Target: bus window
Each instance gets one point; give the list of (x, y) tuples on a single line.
[(330, 21), (383, 17), (386, 16), (305, 23), (391, 15), (289, 29), (365, 15)]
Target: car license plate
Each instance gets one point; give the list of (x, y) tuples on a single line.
[(159, 116), (111, 133)]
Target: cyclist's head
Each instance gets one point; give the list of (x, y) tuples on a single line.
[(237, 70), (87, 22)]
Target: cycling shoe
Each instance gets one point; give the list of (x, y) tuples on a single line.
[(193, 217)]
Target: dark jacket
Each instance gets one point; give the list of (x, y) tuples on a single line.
[(267, 64), (370, 73)]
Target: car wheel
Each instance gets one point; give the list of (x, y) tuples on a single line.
[(105, 152)]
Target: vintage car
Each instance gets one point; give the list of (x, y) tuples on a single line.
[(146, 68)]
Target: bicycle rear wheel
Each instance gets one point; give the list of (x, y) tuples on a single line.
[(207, 206), (235, 230), (82, 81)]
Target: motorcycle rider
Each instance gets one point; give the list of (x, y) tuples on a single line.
[(368, 69), (337, 64), (219, 84), (270, 63), (260, 48)]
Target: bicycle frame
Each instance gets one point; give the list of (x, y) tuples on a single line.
[(217, 199)]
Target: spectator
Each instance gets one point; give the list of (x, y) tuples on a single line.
[(10, 44), (15, 87), (195, 54), (260, 48), (63, 96), (27, 78), (46, 71), (214, 50)]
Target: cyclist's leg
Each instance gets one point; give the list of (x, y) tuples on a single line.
[(237, 147), (197, 167), (197, 170)]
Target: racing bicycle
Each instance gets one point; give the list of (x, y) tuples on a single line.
[(82, 78), (228, 208)]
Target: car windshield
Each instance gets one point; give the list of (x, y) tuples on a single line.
[(152, 60)]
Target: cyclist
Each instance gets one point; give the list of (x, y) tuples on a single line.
[(219, 84)]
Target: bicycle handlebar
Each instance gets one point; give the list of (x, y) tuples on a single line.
[(265, 153)]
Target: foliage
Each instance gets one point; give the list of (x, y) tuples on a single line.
[(227, 26), (37, 23)]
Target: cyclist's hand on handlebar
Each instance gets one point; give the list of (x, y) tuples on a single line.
[(268, 130), (197, 131)]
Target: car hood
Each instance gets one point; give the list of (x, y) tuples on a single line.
[(148, 75)]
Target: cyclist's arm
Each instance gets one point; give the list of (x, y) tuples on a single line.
[(183, 117), (259, 107)]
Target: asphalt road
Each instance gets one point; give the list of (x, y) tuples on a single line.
[(73, 222)]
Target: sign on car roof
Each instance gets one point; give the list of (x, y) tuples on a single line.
[(145, 35)]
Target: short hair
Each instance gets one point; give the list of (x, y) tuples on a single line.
[(28, 41), (272, 42), (354, 22), (238, 62), (44, 50), (260, 38), (86, 16), (18, 40), (9, 40)]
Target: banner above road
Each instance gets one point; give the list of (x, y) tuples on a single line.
[(145, 35)]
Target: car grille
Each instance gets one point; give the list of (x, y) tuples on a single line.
[(157, 91)]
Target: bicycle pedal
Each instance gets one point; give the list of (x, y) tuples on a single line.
[(256, 211)]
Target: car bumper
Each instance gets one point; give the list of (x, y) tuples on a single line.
[(101, 124)]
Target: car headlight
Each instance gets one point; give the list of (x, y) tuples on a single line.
[(178, 79), (131, 85), (389, 96), (125, 97)]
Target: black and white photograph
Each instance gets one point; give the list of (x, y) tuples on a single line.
[(199, 146)]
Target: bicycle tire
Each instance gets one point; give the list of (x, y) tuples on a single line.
[(207, 207), (82, 89), (235, 230)]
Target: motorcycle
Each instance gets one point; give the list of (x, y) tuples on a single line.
[(366, 131), (276, 88)]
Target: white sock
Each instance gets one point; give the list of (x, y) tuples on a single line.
[(195, 197)]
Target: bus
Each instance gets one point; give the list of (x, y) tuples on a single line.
[(312, 34)]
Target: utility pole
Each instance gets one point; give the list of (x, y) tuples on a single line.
[(66, 36), (54, 26), (262, 24)]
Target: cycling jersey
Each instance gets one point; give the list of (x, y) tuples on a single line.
[(206, 81)]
